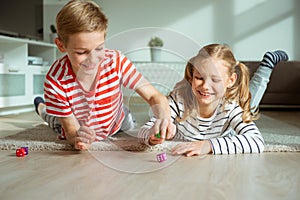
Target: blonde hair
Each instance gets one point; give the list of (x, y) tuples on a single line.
[(79, 16), (239, 92)]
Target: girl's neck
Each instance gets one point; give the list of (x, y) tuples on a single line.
[(206, 111)]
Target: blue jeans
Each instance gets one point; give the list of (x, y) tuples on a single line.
[(258, 85)]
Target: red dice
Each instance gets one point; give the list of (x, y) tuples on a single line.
[(21, 152)]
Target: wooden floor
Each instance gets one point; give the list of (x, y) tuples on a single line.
[(132, 175), (70, 175)]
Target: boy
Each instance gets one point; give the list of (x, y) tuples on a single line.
[(82, 90)]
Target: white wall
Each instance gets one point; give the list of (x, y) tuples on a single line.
[(249, 27)]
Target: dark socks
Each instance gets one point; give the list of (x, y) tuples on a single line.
[(270, 59), (36, 102)]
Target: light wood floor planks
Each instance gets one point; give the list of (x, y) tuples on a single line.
[(73, 175)]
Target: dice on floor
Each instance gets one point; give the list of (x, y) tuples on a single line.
[(161, 157), (26, 150), (20, 152)]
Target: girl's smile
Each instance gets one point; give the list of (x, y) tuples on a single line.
[(205, 94)]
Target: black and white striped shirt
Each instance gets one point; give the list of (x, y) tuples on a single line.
[(225, 129)]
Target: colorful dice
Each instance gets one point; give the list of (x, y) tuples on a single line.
[(158, 135), (26, 150), (21, 152), (161, 157)]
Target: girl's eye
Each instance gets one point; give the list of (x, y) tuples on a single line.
[(216, 80), (198, 77)]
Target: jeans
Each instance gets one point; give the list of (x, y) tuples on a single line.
[(258, 85)]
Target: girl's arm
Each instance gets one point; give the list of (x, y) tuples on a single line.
[(248, 138)]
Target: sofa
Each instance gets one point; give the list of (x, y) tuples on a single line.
[(284, 86)]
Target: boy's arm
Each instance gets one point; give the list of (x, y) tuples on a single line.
[(70, 126), (158, 102), (160, 107), (80, 136)]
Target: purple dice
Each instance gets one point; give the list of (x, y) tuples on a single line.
[(161, 157), (25, 149)]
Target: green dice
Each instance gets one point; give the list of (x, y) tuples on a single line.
[(158, 135)]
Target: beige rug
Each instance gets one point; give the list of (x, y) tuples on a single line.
[(279, 136)]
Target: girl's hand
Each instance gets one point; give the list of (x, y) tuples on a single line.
[(84, 138), (192, 148), (165, 128)]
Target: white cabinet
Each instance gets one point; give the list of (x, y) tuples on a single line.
[(20, 79)]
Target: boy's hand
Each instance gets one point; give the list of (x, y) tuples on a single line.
[(166, 130), (84, 138), (192, 148)]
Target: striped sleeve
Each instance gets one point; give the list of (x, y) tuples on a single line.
[(130, 76), (55, 96), (247, 139), (174, 107), (144, 132)]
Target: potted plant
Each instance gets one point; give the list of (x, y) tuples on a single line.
[(155, 45)]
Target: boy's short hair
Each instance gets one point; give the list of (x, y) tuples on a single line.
[(79, 16)]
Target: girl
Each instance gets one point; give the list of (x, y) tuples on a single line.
[(211, 106)]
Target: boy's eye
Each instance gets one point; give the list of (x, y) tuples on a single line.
[(80, 53), (99, 49)]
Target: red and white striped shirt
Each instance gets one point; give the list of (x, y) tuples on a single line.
[(101, 109)]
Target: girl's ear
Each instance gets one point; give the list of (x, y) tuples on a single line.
[(60, 45), (232, 80)]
